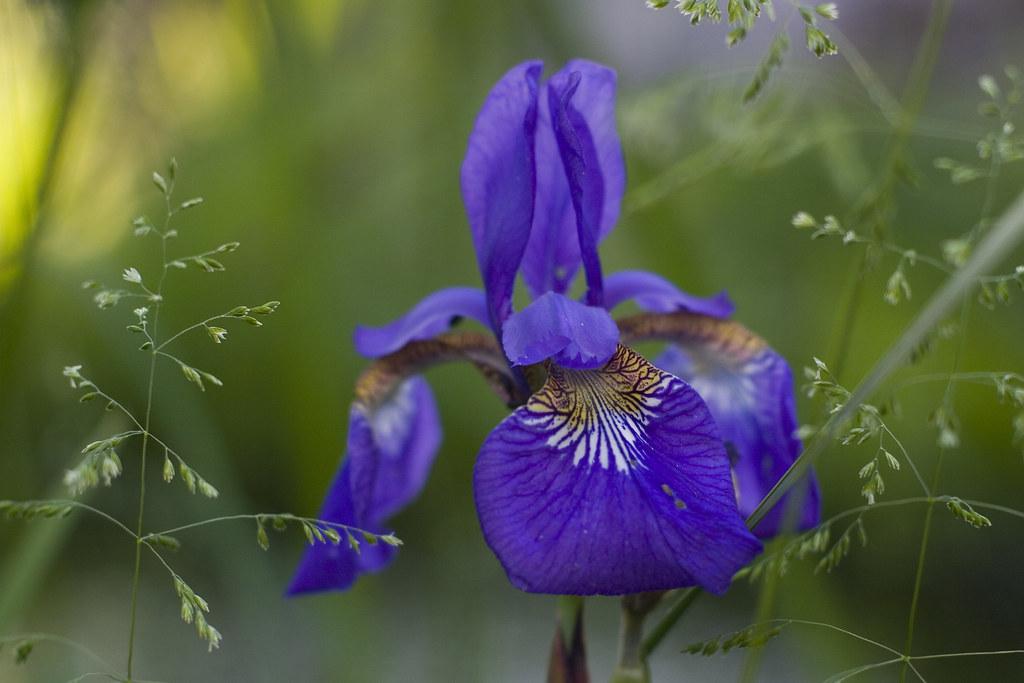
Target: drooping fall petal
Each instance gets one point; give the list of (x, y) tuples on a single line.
[(391, 448), (611, 481)]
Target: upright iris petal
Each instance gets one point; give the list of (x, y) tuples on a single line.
[(553, 252), (611, 481), (749, 389), (498, 183), (582, 170), (391, 448)]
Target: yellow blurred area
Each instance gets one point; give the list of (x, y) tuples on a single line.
[(139, 93), (136, 97), (26, 94), (205, 55)]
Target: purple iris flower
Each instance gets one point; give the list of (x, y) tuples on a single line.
[(610, 475)]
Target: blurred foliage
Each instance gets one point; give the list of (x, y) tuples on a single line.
[(326, 137)]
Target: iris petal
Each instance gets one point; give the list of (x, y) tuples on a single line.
[(611, 482), (749, 389), (583, 173), (553, 252), (428, 318), (554, 326), (390, 451), (656, 294), (499, 180), (336, 567)]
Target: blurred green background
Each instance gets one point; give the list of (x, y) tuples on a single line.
[(326, 137)]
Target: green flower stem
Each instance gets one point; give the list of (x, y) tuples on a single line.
[(142, 508), (686, 598), (632, 661), (919, 574), (949, 655), (204, 323), (89, 508), (631, 667), (255, 516), (145, 443)]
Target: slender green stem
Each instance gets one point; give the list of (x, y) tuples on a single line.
[(850, 673), (259, 515), (160, 558), (158, 352), (94, 674), (906, 456), (142, 508), (909, 660), (992, 506), (687, 597), (949, 655), (903, 253), (117, 404), (976, 377), (919, 574), (88, 508), (113, 677), (878, 506), (145, 443), (631, 667), (196, 326), (925, 535), (839, 629)]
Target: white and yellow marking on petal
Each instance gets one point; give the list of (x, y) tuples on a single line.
[(600, 416)]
